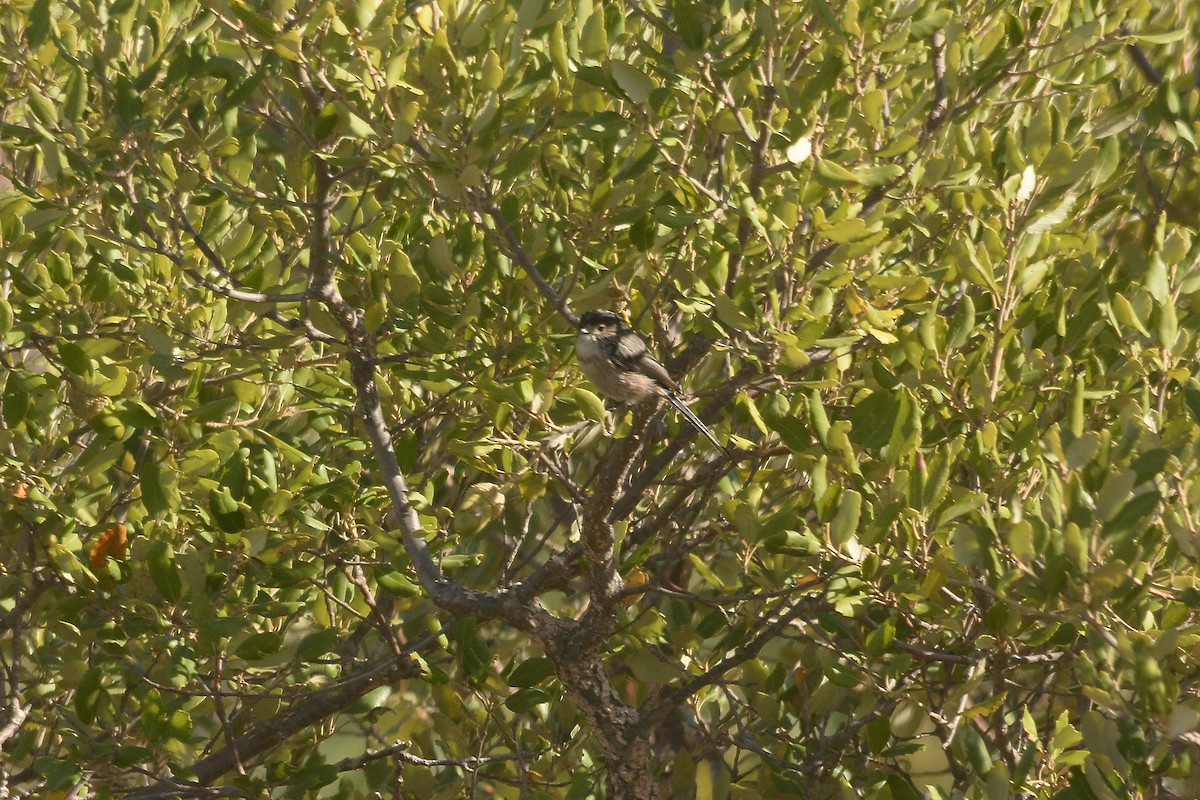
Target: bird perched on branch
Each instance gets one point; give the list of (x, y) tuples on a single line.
[(617, 361)]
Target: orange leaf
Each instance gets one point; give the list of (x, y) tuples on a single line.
[(799, 673), (111, 544), (634, 578)]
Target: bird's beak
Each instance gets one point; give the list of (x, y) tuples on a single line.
[(585, 331)]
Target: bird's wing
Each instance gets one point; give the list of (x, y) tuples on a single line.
[(632, 355), (682, 408), (650, 367)]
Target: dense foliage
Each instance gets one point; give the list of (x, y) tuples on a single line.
[(303, 494)]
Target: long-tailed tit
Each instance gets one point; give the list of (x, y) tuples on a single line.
[(618, 362)]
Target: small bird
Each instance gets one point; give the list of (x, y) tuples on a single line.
[(617, 361)]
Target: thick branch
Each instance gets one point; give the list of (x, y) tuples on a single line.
[(596, 532), (305, 711), (620, 734)]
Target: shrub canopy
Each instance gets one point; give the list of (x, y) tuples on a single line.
[(303, 492)]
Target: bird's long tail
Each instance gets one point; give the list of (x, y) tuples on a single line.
[(695, 422)]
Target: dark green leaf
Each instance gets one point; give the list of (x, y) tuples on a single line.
[(259, 645), (531, 672), (75, 359), (689, 24), (792, 432), (39, 24), (160, 561), (522, 700), (874, 418), (88, 695), (317, 644)]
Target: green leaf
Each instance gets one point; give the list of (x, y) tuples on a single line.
[(826, 13), (222, 627), (879, 175), (648, 667), (42, 108), (1053, 217), (933, 20), (474, 655), (317, 644), (312, 777), (75, 96), (153, 497), (848, 230), (705, 572), (398, 584), (906, 431), (832, 174), (60, 775), (88, 695), (1118, 117), (961, 324), (1165, 37), (817, 417), (128, 101), (1191, 397), (261, 26), (75, 359), (591, 403), (792, 543), (522, 700), (226, 511), (872, 420), (1156, 281), (845, 522), (636, 85), (1150, 463), (730, 315), (689, 24), (157, 339), (39, 24), (259, 646), (325, 122), (531, 672), (1020, 541), (879, 641), (976, 750), (593, 41), (239, 89), (792, 433), (160, 561), (135, 413), (289, 45)]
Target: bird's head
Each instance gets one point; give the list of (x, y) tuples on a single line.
[(599, 323)]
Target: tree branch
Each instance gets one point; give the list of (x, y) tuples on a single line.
[(303, 712), (670, 699), (511, 243)]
